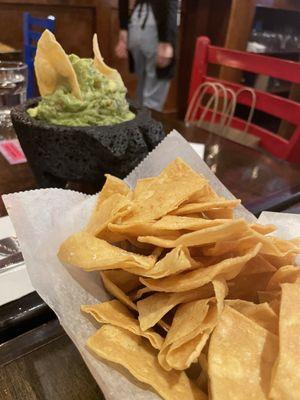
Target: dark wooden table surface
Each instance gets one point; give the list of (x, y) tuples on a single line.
[(42, 363), (261, 181), (293, 209)]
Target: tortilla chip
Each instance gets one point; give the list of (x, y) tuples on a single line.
[(191, 208), (141, 187), (208, 194), (126, 281), (153, 308), (265, 296), (100, 65), (202, 380), (118, 293), (140, 293), (53, 67), (162, 196), (111, 209), (286, 374), (187, 325), (258, 264), (174, 222), (240, 358), (112, 185), (115, 313), (286, 274), (89, 253), (280, 261), (275, 305), (216, 213), (286, 246), (262, 314), (192, 324), (140, 359), (181, 357), (272, 291), (227, 269), (113, 201), (250, 239), (263, 229), (253, 278), (221, 291), (224, 246), (111, 285), (193, 372), (167, 225), (203, 361), (174, 262), (141, 248), (295, 240), (204, 236), (274, 247), (178, 168), (139, 228), (248, 286), (166, 327)]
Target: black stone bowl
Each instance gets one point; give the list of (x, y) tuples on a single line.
[(58, 154)]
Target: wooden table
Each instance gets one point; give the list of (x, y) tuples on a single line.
[(14, 178), (261, 181), (293, 209), (42, 363)]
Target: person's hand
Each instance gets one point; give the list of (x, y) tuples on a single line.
[(164, 54), (121, 47)]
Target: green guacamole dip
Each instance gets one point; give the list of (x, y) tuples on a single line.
[(103, 100)]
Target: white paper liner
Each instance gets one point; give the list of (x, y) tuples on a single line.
[(44, 218)]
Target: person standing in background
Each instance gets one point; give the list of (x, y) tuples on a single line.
[(150, 36)]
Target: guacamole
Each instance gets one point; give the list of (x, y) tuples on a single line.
[(103, 100)]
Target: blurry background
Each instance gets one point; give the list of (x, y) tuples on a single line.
[(266, 26)]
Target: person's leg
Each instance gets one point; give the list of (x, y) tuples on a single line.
[(155, 90), (139, 60), (139, 67)]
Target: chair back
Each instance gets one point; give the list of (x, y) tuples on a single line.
[(282, 108), (32, 30)]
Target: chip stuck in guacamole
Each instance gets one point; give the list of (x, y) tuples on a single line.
[(77, 91)]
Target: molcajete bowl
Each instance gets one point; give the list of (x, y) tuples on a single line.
[(58, 154)]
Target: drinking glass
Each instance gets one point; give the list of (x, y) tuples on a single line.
[(13, 87)]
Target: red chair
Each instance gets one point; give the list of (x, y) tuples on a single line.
[(279, 107)]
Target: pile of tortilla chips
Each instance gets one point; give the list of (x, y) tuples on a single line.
[(205, 305)]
